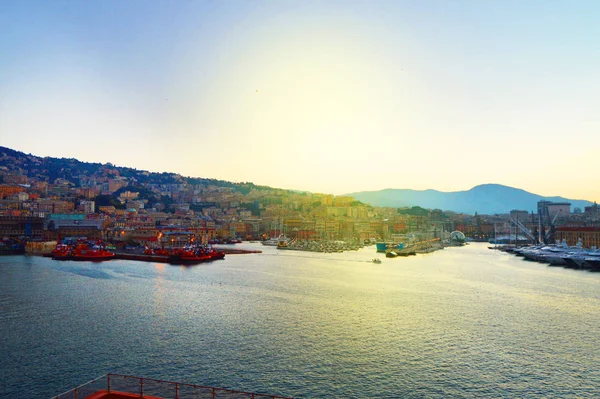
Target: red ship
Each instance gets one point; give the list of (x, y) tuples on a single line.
[(194, 255), (81, 252)]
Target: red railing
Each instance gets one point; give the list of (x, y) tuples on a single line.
[(149, 387)]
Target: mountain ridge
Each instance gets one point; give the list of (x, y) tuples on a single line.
[(487, 198)]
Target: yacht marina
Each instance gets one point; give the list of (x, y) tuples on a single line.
[(559, 254)]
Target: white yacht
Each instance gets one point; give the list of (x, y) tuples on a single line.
[(273, 242)]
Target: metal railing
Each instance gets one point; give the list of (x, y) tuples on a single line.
[(149, 387), (84, 390)]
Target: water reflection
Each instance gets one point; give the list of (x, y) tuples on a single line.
[(462, 322)]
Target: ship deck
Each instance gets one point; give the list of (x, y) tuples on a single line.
[(118, 395), (118, 386)]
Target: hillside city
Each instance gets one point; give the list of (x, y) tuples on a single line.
[(44, 199)]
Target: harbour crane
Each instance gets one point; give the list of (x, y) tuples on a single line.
[(520, 225), (550, 233)]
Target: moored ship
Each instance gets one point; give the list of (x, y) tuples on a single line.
[(11, 247), (282, 244), (81, 252), (385, 246), (274, 242), (195, 255)]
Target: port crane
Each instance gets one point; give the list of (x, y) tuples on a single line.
[(520, 225), (550, 233)]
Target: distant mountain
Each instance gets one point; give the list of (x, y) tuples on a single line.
[(486, 199)]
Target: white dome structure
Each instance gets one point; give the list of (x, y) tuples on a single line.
[(457, 236)]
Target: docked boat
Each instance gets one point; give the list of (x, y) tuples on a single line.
[(282, 244), (592, 261), (561, 254), (189, 258), (274, 242), (12, 249), (575, 260), (194, 255), (385, 246), (546, 253), (81, 252), (381, 246)]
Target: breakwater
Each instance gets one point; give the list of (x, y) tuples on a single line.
[(320, 246)]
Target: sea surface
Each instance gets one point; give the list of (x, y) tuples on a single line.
[(463, 322)]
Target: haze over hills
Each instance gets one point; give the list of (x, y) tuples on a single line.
[(483, 199)]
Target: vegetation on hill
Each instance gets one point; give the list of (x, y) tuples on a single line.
[(74, 171)]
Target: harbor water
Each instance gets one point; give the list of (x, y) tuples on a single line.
[(463, 322)]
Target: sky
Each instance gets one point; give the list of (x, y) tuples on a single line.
[(323, 96)]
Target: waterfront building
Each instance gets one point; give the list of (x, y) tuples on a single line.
[(73, 225), (21, 227), (589, 236)]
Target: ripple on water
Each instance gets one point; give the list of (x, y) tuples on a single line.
[(462, 323)]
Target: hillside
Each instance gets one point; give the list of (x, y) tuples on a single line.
[(76, 172), (483, 199)]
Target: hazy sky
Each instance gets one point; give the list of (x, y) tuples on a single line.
[(324, 96)]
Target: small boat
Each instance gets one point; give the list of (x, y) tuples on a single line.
[(391, 254), (376, 260)]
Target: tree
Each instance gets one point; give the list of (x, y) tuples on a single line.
[(414, 211), (107, 200)]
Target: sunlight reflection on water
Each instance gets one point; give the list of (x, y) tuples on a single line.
[(462, 322)]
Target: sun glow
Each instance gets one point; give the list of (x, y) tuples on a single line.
[(298, 105), (325, 96)]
